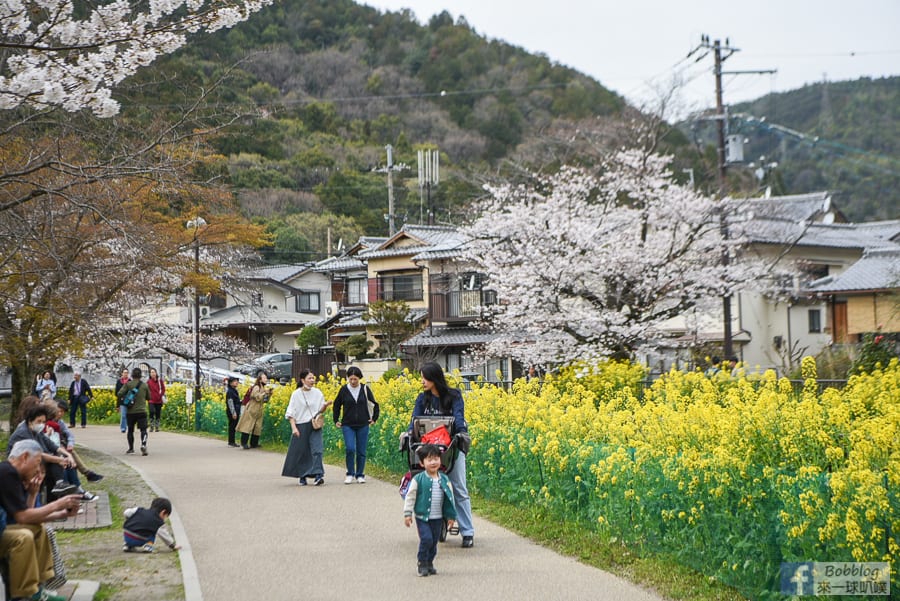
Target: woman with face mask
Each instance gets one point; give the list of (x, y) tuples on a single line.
[(34, 420)]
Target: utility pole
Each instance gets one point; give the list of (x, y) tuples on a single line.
[(720, 54), (392, 228)]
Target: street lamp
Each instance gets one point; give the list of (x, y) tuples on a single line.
[(196, 224)]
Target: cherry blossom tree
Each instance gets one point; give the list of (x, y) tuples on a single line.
[(71, 55), (591, 265)]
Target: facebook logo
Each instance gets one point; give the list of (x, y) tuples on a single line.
[(797, 578)]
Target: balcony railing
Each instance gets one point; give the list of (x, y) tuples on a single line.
[(460, 305)]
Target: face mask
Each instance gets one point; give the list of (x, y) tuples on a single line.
[(37, 428)]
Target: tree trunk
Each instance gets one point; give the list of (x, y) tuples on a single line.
[(22, 384)]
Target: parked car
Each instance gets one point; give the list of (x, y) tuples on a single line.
[(278, 366)]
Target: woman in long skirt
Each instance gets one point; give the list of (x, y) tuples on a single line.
[(304, 455)]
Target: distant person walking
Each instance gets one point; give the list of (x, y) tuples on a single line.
[(352, 414), (157, 388), (80, 394), (232, 409), (304, 455), (123, 411), (136, 411), (251, 420)]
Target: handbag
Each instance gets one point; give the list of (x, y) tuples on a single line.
[(318, 421), (164, 399), (369, 402)]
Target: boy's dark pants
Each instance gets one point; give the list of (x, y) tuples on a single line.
[(429, 535)]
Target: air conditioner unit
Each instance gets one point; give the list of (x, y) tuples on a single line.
[(332, 308), (204, 311)]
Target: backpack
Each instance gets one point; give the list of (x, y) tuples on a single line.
[(128, 401)]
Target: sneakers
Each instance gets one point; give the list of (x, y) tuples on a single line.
[(423, 569), (63, 488), (88, 496), (146, 548), (129, 452), (361, 479), (320, 481), (144, 451), (431, 570), (348, 480), (45, 595), (302, 482), (468, 542), (93, 476)]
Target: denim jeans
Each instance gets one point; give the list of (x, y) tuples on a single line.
[(461, 496), (429, 535), (355, 441)]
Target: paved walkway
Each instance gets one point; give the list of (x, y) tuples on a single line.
[(248, 533)]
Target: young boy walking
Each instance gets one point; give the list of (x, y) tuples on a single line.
[(143, 525), (429, 500)]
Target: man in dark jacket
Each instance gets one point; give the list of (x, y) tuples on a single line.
[(80, 394)]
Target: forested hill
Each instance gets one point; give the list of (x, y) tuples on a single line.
[(841, 136), (334, 82)]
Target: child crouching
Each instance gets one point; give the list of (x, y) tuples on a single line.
[(430, 500), (142, 526)]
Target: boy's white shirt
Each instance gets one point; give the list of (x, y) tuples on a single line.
[(162, 533)]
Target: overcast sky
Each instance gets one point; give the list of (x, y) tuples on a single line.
[(637, 46)]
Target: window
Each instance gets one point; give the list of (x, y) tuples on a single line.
[(256, 299), (308, 302), (357, 291), (401, 287), (815, 321)]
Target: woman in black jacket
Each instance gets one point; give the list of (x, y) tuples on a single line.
[(355, 410)]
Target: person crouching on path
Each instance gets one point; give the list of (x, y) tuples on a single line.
[(429, 501), (137, 410), (143, 525)]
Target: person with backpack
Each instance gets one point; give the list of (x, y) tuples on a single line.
[(133, 396)]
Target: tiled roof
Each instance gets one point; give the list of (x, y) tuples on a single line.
[(837, 235), (876, 270), (242, 315), (447, 336), (342, 263), (430, 238), (798, 207), (277, 273)]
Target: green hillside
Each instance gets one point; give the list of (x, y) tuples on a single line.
[(324, 86), (841, 136), (315, 90)]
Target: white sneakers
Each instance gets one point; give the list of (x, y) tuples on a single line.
[(348, 480), (361, 479)]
